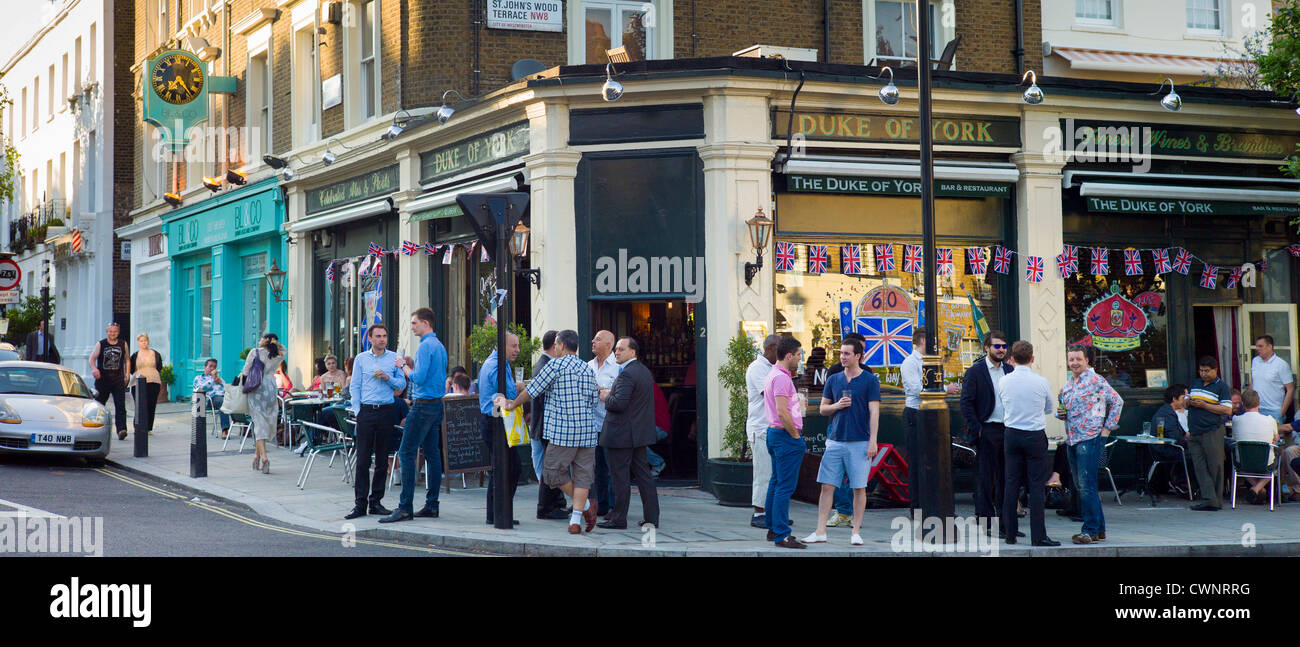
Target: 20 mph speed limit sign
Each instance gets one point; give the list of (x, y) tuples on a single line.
[(10, 274)]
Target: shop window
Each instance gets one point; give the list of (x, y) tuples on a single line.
[(883, 305), (608, 25), (1095, 12), (205, 310), (1123, 318), (1205, 17)]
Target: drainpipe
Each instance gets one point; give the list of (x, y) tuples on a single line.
[(826, 29), (478, 27), (225, 70), (1019, 51)]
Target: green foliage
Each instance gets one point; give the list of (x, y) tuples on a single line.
[(243, 354), (25, 318), (9, 168), (55, 222), (167, 375), (483, 340), (741, 350)]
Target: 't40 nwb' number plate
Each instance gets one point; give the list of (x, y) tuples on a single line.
[(51, 439)]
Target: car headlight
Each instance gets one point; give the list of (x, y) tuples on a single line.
[(92, 415), (9, 415)]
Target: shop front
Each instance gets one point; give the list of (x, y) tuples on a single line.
[(1182, 258), (220, 251), (345, 222)]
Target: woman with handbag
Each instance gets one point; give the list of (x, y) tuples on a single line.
[(258, 383)]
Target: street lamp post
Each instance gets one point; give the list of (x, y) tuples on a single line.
[(494, 217)]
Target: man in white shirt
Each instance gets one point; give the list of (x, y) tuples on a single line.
[(1270, 377), (913, 381), (756, 426), (606, 370), (1255, 426), (1026, 401)]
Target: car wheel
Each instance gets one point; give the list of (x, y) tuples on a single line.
[(96, 462)]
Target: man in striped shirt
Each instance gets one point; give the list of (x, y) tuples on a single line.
[(1208, 402)]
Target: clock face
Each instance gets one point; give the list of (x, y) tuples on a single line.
[(177, 79)]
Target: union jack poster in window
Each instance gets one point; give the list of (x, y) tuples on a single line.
[(1034, 269), (1001, 260), (785, 257), (818, 259), (1161, 259), (1183, 262), (1132, 262), (851, 259), (975, 261), (889, 339), (885, 258), (943, 261), (1100, 257), (1209, 276), (912, 259)]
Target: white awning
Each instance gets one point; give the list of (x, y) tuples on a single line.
[(341, 215), (990, 173), (1172, 192), (1139, 62), (427, 207)]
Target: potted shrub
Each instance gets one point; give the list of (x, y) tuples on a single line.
[(732, 475), (168, 377)]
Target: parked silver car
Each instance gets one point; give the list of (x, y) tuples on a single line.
[(47, 409)]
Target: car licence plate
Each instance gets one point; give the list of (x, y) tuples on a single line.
[(51, 439)]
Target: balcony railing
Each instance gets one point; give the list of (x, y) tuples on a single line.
[(28, 230)]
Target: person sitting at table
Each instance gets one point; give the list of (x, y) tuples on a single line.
[(330, 374), (1237, 409), (282, 382), (1173, 413), (1251, 425), (320, 368), (211, 383), (460, 385)]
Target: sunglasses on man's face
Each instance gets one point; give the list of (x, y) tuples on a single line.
[(999, 346)]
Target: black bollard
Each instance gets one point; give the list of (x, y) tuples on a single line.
[(199, 436), (141, 434)]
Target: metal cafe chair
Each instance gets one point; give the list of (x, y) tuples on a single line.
[(336, 443), (245, 425), (1104, 466), (1250, 460), (1182, 453)]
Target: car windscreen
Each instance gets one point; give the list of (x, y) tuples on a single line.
[(42, 381), (8, 355)]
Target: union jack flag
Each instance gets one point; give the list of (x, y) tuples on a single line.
[(885, 257), (408, 248), (975, 261), (1067, 262), (943, 259), (1001, 260), (818, 259), (1100, 260), (1132, 262), (483, 255), (889, 339), (851, 259), (329, 273), (430, 249), (1263, 265), (1233, 277), (376, 249), (1295, 250), (1161, 258), (912, 259), (378, 266), (1063, 265), (784, 257), (1209, 276), (1034, 269), (1183, 262)]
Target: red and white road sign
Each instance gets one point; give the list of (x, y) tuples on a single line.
[(10, 274)]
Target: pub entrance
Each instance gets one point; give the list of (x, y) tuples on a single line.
[(665, 332)]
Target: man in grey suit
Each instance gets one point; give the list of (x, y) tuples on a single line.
[(550, 501), (629, 429)]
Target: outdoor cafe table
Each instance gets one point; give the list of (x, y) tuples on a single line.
[(307, 408), (1143, 443)]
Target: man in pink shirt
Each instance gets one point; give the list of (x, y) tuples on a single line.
[(784, 441)]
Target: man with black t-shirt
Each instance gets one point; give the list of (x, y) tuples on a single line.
[(108, 367)]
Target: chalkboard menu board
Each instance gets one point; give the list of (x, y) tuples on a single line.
[(462, 442)]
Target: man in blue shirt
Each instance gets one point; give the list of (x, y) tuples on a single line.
[(487, 388), (376, 376), (424, 421), (852, 397)]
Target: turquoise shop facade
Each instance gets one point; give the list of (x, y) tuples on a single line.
[(220, 250)]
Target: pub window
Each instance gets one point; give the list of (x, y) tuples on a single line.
[(1123, 318), (892, 25), (608, 25), (883, 305)]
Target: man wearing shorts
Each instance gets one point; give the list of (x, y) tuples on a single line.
[(853, 399), (570, 461)]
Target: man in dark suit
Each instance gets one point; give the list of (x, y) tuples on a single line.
[(629, 429), (550, 501), (982, 410), (40, 346)]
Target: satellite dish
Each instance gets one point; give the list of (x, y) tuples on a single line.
[(525, 67)]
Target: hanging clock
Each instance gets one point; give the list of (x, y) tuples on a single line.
[(177, 78)]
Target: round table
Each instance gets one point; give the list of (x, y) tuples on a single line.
[(1144, 443)]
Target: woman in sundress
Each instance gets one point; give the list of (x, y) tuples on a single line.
[(263, 402)]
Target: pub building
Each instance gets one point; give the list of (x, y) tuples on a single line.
[(638, 215)]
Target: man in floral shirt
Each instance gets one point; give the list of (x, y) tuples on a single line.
[(211, 383), (1091, 410)]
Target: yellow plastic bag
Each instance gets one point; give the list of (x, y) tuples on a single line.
[(516, 428)]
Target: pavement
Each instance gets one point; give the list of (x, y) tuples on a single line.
[(691, 521)]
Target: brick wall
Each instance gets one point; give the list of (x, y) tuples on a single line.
[(988, 31), (124, 144)]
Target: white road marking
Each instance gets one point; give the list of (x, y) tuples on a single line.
[(26, 511)]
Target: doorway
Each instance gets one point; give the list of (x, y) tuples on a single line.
[(1215, 334), (665, 332)]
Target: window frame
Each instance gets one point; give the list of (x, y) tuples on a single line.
[(1201, 31), (659, 43), (869, 54), (1116, 10), (305, 74), (260, 95), (355, 92)]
